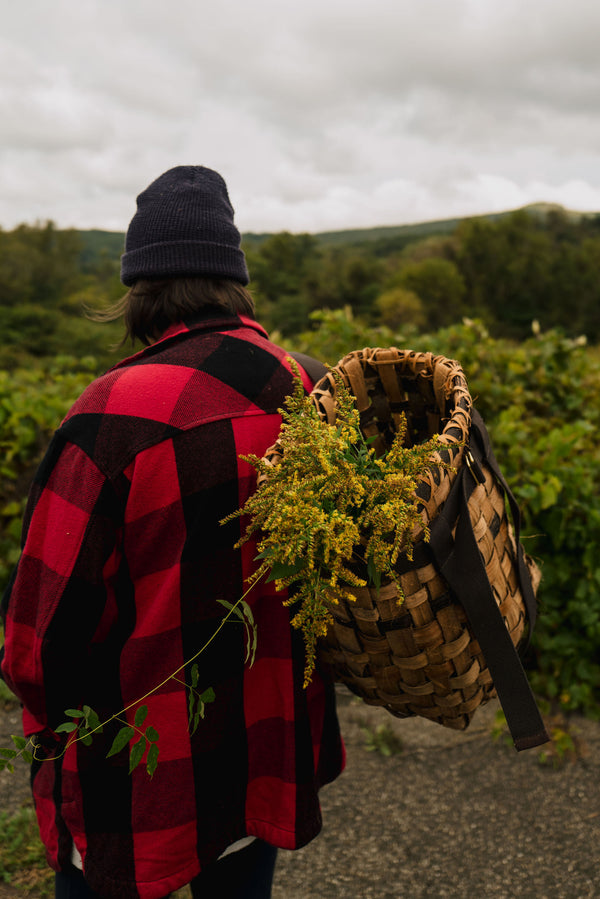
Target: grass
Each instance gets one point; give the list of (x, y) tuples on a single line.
[(6, 696), (22, 859)]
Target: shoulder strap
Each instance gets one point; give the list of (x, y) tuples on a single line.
[(313, 368), (460, 562)]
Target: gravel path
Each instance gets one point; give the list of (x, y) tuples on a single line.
[(452, 815)]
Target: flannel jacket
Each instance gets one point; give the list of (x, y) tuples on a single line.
[(123, 573)]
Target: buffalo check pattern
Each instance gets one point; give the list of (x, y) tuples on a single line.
[(123, 568)]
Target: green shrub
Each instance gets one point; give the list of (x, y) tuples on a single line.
[(22, 857), (33, 401), (539, 399)]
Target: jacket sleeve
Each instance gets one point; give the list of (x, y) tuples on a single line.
[(57, 594)]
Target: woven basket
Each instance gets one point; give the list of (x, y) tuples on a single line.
[(419, 656)]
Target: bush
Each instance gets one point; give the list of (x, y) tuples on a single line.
[(33, 401), (539, 400)]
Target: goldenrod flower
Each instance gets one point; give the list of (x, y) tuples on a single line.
[(330, 515)]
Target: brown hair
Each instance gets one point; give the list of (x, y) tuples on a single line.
[(150, 306)]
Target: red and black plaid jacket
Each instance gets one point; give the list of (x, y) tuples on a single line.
[(123, 565)]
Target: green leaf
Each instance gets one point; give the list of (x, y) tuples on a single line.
[(208, 695), (140, 715), (243, 611), (75, 713), (549, 492), (91, 719), (67, 728), (85, 737), (247, 611), (20, 742), (8, 753), (232, 608), (121, 740), (252, 640), (195, 675), (152, 759), (27, 757), (196, 721), (152, 734), (280, 571), (137, 751)]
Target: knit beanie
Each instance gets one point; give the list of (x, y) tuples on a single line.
[(183, 227)]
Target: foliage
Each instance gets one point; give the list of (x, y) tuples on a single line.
[(439, 286), (538, 396), (564, 747), (22, 857), (382, 739), (7, 697), (38, 264), (539, 399), (292, 276), (335, 332), (32, 402), (19, 749), (46, 280), (526, 267), (506, 269), (330, 513), (398, 305), (561, 749)]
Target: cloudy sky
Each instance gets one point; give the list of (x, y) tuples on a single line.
[(320, 114)]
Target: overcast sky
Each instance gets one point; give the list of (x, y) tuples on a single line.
[(320, 114)]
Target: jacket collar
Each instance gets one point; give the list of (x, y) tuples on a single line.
[(208, 321)]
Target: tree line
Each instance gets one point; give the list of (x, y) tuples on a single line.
[(470, 293), (507, 271)]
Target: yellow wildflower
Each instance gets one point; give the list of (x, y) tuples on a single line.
[(330, 515)]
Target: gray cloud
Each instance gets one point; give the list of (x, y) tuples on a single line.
[(319, 115)]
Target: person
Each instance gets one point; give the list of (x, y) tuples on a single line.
[(127, 572)]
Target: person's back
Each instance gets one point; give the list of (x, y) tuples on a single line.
[(127, 574)]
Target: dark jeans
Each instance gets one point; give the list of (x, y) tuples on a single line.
[(247, 874)]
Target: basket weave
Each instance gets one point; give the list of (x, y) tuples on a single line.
[(419, 656)]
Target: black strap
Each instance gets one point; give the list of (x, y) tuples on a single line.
[(313, 368), (460, 562)]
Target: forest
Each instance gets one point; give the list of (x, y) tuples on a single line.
[(515, 298), (536, 264)]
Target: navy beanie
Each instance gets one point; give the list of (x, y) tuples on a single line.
[(184, 227)]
